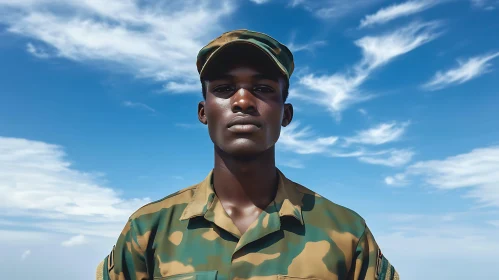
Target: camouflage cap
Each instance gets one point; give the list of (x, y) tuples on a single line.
[(277, 52)]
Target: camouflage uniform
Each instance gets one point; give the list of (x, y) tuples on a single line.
[(300, 235)]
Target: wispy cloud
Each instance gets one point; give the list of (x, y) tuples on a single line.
[(379, 50), (363, 111), (380, 134), (494, 223), (159, 40), (417, 238), (259, 1), (75, 241), (438, 232), (39, 182), (333, 9), (477, 171), (489, 5), (190, 87), (305, 47), (472, 68), (25, 254), (396, 180), (395, 11), (295, 3), (138, 105), (189, 125), (36, 51), (392, 158), (302, 141), (292, 164), (339, 91)]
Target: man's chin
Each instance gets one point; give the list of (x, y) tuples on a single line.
[(243, 151)]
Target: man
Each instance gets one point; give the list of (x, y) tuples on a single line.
[(246, 220)]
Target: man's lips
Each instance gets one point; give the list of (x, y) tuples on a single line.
[(244, 125), (244, 121)]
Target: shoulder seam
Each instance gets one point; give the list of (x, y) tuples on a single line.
[(166, 197)]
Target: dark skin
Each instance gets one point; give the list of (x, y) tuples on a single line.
[(244, 110)]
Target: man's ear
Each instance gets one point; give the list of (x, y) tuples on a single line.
[(201, 113), (288, 115)]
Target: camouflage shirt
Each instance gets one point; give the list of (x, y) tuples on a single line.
[(300, 235)]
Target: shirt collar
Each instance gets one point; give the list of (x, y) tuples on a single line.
[(288, 199)]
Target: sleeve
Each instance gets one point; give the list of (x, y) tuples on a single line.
[(369, 262), (126, 261)]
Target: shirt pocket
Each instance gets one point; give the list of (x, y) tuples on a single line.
[(198, 275)]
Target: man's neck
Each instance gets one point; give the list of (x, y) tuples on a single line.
[(245, 182)]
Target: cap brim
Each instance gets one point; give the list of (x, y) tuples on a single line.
[(235, 43)]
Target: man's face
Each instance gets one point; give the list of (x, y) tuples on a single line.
[(244, 108)]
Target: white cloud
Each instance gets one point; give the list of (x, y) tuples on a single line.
[(336, 92), (479, 3), (379, 50), (335, 9), (392, 158), (488, 5), (362, 111), (305, 47), (36, 51), (472, 68), (191, 87), (380, 134), (25, 254), (394, 11), (190, 125), (437, 233), (462, 217), (494, 223), (302, 141), (259, 1), (37, 181), (24, 236), (158, 40), (292, 164), (310, 46), (138, 105), (477, 171), (339, 91), (74, 241), (441, 241), (295, 3), (396, 180)]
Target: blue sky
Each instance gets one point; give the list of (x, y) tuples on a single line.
[(395, 117)]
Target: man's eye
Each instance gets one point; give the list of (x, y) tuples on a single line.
[(263, 89), (223, 89)]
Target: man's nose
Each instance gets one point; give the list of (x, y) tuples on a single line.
[(244, 102)]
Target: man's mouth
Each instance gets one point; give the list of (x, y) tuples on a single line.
[(244, 125), (244, 128)]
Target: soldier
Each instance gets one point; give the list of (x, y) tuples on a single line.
[(246, 220)]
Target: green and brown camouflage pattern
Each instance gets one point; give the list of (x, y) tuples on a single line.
[(301, 235), (278, 52)]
